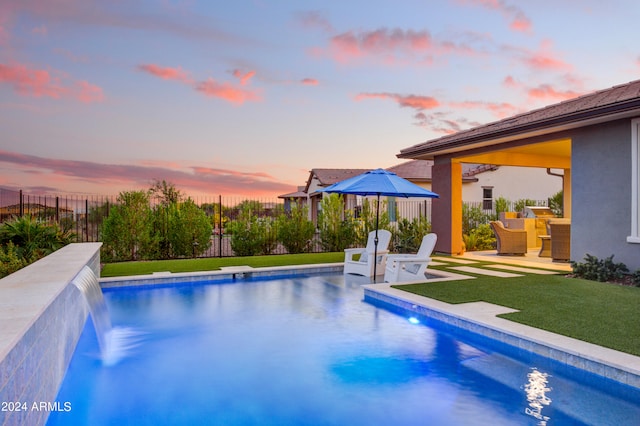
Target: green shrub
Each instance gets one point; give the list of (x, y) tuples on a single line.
[(410, 233), (10, 260), (32, 238), (480, 238), (599, 270), (556, 203), (189, 232), (295, 230), (522, 203), (337, 230), (366, 222), (252, 235), (472, 217), (502, 205), (635, 278), (127, 231)]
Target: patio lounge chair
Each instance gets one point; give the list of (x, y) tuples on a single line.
[(560, 231), (364, 264), (410, 267), (509, 241)]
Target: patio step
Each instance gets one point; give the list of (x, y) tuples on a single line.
[(487, 272), (523, 270)]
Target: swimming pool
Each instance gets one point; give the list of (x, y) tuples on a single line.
[(309, 350)]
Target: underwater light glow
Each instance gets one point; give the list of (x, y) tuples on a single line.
[(414, 320)]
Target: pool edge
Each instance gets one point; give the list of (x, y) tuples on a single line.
[(480, 318)]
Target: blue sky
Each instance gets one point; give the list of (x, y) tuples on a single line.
[(245, 97)]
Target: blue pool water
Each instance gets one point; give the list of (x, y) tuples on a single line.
[(310, 351)]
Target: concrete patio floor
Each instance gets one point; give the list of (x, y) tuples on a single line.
[(531, 259)]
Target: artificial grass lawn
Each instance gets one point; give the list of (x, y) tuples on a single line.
[(214, 263), (599, 313)]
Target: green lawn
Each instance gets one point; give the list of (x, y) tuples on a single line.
[(212, 264), (599, 313)]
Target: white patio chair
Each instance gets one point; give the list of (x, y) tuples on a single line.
[(364, 264), (410, 267)]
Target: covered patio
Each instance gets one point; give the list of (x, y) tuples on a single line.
[(554, 155), (592, 141)]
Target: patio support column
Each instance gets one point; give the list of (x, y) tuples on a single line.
[(566, 193), (446, 212)]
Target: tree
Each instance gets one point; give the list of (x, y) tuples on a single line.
[(127, 231), (165, 192)]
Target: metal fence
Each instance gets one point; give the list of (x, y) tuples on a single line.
[(84, 215)]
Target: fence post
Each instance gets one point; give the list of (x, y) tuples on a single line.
[(21, 205), (220, 226), (86, 219)]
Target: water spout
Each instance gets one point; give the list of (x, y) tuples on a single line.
[(114, 343)]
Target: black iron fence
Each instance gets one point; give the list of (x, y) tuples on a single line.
[(84, 215)]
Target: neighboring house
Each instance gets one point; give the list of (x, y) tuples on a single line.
[(594, 139), (480, 183), (320, 179), (298, 197), (483, 183)]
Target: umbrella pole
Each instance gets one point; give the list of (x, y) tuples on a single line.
[(375, 241)]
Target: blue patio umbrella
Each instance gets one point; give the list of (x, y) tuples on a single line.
[(379, 182)]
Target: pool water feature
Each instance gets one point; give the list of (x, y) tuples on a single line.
[(309, 350), (113, 342)]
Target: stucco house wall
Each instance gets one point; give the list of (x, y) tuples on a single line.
[(514, 183), (601, 193)]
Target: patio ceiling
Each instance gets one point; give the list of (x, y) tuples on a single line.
[(554, 154)]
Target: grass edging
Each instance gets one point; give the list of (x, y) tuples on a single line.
[(122, 269)]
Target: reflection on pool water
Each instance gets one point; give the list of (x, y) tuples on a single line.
[(309, 350)]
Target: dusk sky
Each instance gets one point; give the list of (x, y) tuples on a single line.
[(245, 97)]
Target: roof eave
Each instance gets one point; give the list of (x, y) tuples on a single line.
[(428, 151)]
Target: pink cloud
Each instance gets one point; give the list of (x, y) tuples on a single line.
[(439, 122), (545, 59), (31, 82), (201, 180), (314, 19), (499, 109), (41, 30), (42, 83), (309, 81), (385, 43), (390, 47), (510, 82), (518, 20), (226, 91), (547, 92), (165, 73), (243, 77), (411, 101), (89, 93)]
